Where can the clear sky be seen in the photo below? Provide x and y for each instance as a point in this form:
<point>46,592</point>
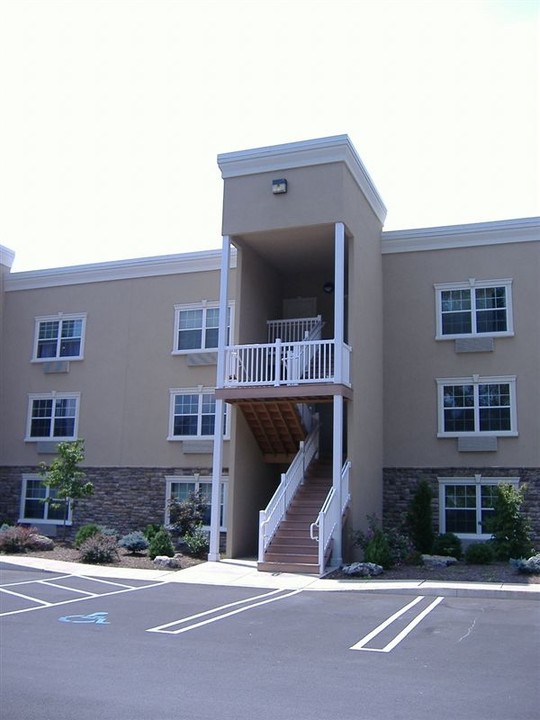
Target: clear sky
<point>113,112</point>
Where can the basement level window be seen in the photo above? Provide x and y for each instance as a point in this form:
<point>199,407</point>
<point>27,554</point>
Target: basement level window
<point>466,504</point>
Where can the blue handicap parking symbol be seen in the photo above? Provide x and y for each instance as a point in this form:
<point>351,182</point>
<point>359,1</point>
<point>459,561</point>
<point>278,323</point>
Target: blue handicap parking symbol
<point>98,618</point>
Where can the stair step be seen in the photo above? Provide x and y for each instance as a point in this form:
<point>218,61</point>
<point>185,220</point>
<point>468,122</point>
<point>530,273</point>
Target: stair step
<point>275,567</point>
<point>292,548</point>
<point>291,557</point>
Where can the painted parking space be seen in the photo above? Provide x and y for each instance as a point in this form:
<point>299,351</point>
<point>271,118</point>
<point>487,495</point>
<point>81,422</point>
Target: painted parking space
<point>23,592</point>
<point>235,647</point>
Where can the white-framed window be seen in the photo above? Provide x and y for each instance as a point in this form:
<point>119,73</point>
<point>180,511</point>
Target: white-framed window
<point>465,503</point>
<point>196,326</point>
<point>474,308</point>
<point>477,406</point>
<point>53,416</point>
<point>35,507</point>
<point>59,337</point>
<point>192,414</point>
<point>180,488</point>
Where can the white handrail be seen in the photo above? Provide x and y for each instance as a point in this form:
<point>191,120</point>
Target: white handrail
<point>283,363</point>
<point>294,329</point>
<point>272,515</point>
<point>330,515</point>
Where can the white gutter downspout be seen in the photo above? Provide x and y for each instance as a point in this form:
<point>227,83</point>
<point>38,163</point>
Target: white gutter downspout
<point>217,463</point>
<point>339,335</point>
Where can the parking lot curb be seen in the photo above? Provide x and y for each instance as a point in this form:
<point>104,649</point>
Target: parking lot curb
<point>244,573</point>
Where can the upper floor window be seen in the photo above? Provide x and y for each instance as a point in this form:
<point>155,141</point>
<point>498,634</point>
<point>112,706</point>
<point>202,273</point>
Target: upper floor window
<point>469,406</point>
<point>193,414</point>
<point>473,308</point>
<point>196,326</point>
<point>53,416</point>
<point>59,337</point>
<point>39,503</point>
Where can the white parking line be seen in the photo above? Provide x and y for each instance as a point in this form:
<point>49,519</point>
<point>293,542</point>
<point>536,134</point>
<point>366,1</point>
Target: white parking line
<point>23,597</point>
<point>360,645</point>
<point>253,603</point>
<point>43,604</point>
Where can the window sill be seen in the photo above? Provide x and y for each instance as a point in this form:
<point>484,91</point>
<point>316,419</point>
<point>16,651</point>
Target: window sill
<point>474,336</point>
<point>38,521</point>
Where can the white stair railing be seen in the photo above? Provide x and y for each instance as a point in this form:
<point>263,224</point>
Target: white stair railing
<point>294,329</point>
<point>273,514</point>
<point>329,519</point>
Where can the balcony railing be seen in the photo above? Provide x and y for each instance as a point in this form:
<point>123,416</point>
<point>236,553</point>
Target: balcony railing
<point>286,363</point>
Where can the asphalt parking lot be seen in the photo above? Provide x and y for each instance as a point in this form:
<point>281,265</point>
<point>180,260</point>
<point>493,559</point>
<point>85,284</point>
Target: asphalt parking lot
<point>88,648</point>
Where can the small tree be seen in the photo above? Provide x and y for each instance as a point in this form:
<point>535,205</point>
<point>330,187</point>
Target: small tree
<point>66,479</point>
<point>510,529</point>
<point>186,515</point>
<point>420,518</point>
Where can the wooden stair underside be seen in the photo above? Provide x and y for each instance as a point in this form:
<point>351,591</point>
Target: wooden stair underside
<point>276,425</point>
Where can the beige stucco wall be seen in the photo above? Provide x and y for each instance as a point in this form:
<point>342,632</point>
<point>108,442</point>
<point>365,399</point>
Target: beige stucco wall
<point>314,196</point>
<point>413,359</point>
<point>365,412</point>
<point>126,374</point>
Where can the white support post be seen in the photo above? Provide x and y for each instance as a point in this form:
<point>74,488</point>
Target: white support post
<point>339,299</point>
<point>217,464</point>
<point>337,459</point>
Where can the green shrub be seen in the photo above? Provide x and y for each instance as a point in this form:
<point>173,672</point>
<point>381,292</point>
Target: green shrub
<point>85,532</point>
<point>510,529</point>
<point>479,554</point>
<point>134,542</point>
<point>420,518</point>
<point>161,544</point>
<point>197,542</point>
<point>390,546</point>
<point>99,548</point>
<point>378,551</point>
<point>16,539</point>
<point>151,530</point>
<point>448,545</point>
<point>186,515</point>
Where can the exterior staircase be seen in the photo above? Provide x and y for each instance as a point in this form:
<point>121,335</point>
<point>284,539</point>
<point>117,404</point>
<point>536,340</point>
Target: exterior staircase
<point>292,549</point>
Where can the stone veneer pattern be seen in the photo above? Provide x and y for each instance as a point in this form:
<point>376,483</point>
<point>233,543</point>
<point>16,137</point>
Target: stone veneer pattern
<point>400,485</point>
<point>125,499</point>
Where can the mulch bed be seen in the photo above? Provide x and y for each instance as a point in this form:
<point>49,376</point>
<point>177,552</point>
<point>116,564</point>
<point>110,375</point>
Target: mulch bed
<point>67,553</point>
<point>497,572</point>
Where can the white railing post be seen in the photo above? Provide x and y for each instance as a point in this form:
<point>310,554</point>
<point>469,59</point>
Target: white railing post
<point>217,460</point>
<point>339,299</point>
<point>277,362</point>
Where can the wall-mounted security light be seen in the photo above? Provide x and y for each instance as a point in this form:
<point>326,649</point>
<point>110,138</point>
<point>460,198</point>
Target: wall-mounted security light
<point>279,186</point>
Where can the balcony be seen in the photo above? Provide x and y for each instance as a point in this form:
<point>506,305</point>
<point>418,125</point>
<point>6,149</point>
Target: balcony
<point>296,355</point>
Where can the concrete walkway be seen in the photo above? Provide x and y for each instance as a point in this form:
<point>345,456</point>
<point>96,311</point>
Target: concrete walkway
<point>243,573</point>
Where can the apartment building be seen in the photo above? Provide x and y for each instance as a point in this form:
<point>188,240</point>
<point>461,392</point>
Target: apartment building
<point>305,376</point>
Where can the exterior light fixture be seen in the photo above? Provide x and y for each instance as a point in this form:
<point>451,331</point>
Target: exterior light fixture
<point>328,287</point>
<point>279,186</point>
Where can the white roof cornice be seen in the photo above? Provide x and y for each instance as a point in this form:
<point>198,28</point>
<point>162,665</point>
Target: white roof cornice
<point>321,151</point>
<point>117,270</point>
<point>6,256</point>
<point>458,236</point>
